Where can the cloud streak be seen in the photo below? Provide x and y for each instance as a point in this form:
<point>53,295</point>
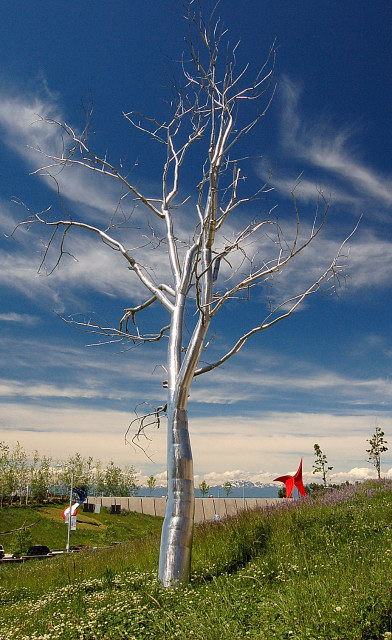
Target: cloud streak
<point>25,122</point>
<point>12,388</point>
<point>65,370</point>
<point>348,178</point>
<point>21,318</point>
<point>87,266</point>
<point>244,381</point>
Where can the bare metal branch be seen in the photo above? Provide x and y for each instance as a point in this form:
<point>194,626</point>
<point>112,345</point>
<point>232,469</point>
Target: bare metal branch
<point>91,325</point>
<point>331,273</point>
<point>143,422</point>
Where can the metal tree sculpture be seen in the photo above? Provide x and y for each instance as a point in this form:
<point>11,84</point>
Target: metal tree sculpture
<point>207,253</point>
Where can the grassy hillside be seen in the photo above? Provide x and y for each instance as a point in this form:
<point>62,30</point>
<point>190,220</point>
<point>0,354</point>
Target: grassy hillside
<point>311,568</point>
<point>45,525</point>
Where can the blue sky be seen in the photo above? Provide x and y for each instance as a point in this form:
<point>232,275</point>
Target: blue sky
<point>322,376</point>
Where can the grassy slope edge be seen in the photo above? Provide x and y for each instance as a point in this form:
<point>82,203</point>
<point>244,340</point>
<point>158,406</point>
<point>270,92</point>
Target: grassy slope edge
<point>311,568</point>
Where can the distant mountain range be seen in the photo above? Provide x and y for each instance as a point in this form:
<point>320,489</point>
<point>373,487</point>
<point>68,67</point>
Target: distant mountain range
<point>238,490</point>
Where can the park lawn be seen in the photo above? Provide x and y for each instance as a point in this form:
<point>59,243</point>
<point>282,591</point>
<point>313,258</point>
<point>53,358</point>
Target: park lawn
<point>45,525</point>
<point>317,568</point>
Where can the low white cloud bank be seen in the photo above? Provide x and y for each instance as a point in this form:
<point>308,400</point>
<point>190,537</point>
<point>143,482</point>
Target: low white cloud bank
<point>258,448</point>
<point>239,476</point>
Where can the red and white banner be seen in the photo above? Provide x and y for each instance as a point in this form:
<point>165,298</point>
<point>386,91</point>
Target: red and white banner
<point>73,512</point>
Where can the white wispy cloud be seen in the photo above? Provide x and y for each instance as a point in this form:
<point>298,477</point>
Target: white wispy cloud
<point>11,388</point>
<point>107,371</point>
<point>371,261</point>
<point>25,125</point>
<point>312,191</point>
<point>22,121</point>
<point>365,262</point>
<point>87,265</point>
<point>324,147</point>
<point>68,370</point>
<point>244,380</point>
<point>22,318</point>
<point>104,271</point>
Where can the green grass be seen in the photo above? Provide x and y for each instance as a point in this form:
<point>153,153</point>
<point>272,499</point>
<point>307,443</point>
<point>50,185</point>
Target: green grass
<point>44,525</point>
<point>314,568</point>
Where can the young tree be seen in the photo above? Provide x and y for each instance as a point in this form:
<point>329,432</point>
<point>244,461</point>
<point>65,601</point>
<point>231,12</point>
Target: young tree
<point>20,541</point>
<point>114,485</point>
<point>227,488</point>
<point>4,466</point>
<point>129,480</point>
<point>209,249</point>
<point>377,447</point>
<point>41,476</point>
<point>321,464</point>
<point>18,472</point>
<point>120,482</point>
<point>204,488</point>
<point>98,478</point>
<point>80,467</point>
<point>151,482</point>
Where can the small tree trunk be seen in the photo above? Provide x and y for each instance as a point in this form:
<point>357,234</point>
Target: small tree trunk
<point>177,530</point>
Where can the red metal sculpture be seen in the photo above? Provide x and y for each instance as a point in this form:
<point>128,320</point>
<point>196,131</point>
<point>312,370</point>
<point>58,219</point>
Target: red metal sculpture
<point>293,481</point>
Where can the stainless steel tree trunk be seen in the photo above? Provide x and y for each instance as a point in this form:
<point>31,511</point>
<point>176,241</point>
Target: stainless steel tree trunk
<point>177,530</point>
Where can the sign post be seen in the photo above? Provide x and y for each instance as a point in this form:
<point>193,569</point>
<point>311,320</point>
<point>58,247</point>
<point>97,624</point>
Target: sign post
<point>70,512</point>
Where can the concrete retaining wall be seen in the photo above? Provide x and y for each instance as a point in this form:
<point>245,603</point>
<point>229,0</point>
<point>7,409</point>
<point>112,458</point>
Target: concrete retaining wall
<point>205,508</point>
